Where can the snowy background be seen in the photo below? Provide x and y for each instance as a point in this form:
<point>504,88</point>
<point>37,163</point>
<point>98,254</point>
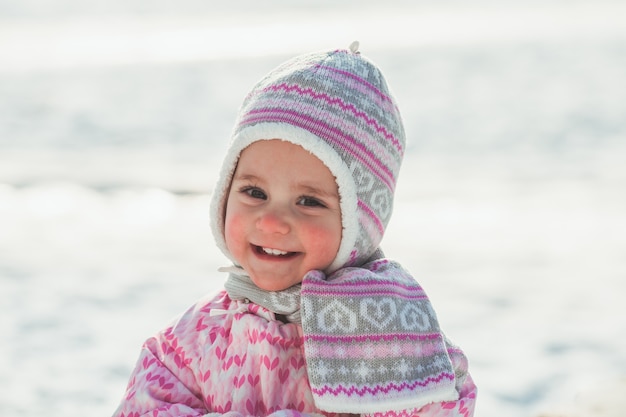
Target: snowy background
<point>511,206</point>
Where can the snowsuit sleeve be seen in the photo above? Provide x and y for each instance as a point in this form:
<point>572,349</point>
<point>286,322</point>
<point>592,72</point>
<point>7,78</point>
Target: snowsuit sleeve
<point>158,389</point>
<point>234,364</point>
<point>155,391</point>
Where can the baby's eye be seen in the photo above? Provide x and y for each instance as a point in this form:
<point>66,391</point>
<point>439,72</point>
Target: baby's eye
<point>254,192</point>
<point>310,202</point>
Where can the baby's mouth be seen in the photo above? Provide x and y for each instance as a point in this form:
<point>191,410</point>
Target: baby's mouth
<point>273,252</point>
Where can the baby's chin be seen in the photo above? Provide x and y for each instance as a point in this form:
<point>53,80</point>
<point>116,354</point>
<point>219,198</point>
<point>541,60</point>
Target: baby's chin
<point>273,285</point>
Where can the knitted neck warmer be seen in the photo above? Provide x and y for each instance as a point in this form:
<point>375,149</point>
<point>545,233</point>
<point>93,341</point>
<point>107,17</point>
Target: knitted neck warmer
<point>240,287</point>
<point>372,341</point>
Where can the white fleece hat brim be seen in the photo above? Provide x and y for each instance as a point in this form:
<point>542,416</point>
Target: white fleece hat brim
<point>317,147</point>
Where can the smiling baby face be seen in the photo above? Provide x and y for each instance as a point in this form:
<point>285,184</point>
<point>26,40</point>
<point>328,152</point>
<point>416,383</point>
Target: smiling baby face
<point>283,214</point>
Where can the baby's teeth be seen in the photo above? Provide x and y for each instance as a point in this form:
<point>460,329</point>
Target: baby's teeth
<point>274,251</point>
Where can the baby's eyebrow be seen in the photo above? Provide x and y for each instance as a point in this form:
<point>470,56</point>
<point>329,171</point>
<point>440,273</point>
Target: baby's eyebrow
<point>246,177</point>
<point>302,188</point>
<point>309,189</point>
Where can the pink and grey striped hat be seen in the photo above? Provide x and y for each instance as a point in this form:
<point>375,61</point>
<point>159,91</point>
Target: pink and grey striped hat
<point>336,104</point>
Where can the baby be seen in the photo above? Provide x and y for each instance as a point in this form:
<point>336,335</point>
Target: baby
<point>313,319</point>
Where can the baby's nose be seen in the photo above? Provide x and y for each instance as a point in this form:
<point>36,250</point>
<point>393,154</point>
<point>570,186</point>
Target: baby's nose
<point>273,222</point>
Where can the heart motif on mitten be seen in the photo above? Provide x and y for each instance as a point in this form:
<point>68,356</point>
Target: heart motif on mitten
<point>378,313</point>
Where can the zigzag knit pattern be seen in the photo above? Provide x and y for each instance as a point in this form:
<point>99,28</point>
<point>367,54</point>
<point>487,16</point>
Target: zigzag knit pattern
<point>372,341</point>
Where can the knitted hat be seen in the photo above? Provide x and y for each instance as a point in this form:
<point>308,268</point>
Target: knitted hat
<point>336,105</point>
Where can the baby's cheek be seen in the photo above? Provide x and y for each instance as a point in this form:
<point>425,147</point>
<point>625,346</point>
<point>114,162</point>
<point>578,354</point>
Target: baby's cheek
<point>326,240</point>
<point>233,230</point>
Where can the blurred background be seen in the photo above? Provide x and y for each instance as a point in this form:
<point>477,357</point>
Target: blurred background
<point>510,210</point>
